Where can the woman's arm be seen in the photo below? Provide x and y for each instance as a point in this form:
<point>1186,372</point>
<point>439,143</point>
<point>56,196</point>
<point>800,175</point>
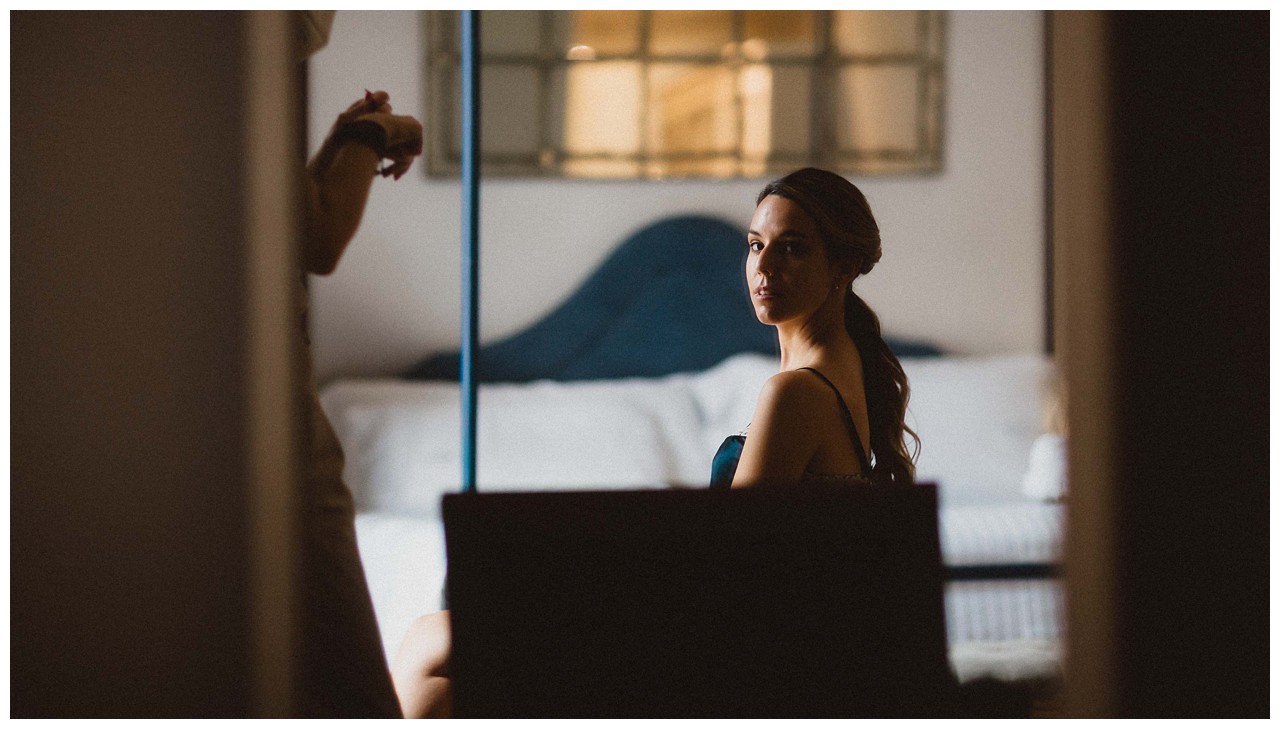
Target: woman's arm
<point>341,173</point>
<point>782,440</point>
<point>335,204</point>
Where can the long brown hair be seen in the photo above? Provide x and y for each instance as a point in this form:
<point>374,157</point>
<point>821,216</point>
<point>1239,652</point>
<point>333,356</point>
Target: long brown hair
<point>852,238</point>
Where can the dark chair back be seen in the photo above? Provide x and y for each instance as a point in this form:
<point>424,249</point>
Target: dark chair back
<point>813,601</point>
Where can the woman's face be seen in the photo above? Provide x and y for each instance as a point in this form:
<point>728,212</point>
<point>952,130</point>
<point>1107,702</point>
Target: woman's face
<point>788,272</point>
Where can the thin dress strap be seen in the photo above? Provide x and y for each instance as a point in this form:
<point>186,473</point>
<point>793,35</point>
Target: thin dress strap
<point>848,421</point>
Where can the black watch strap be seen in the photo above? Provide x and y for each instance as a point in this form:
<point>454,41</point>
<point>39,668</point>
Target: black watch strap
<point>366,132</point>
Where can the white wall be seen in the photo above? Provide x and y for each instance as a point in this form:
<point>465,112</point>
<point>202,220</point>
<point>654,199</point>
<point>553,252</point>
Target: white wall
<point>963,249</point>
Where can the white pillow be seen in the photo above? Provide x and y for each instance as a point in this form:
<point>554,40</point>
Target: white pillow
<point>726,397</point>
<point>977,418</point>
<point>402,439</point>
<point>618,433</point>
<point>1046,476</point>
<point>401,442</point>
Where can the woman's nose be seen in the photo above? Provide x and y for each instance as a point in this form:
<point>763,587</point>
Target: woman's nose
<point>765,261</point>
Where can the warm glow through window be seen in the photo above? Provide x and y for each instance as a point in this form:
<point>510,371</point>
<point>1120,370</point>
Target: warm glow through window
<point>665,93</point>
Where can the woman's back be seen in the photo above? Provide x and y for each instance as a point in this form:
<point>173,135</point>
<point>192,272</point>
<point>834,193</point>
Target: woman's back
<point>816,426</point>
<point>843,445</point>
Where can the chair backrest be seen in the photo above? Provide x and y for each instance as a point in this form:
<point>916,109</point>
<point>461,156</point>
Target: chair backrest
<point>810,601</point>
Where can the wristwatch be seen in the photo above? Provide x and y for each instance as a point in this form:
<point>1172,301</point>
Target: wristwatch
<point>363,131</point>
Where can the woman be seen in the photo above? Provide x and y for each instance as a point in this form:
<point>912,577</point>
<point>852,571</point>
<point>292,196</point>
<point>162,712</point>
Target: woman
<point>834,411</point>
<point>836,408</point>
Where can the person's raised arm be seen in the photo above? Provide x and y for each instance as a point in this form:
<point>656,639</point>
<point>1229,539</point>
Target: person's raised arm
<point>340,174</point>
<point>781,441</point>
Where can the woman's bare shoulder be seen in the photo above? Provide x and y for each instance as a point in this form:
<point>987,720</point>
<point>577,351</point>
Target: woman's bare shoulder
<point>777,451</point>
<point>792,389</point>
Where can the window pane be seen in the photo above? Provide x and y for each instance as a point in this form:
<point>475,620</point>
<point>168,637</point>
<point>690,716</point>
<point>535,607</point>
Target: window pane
<point>710,167</point>
<point>601,168</point>
<point>876,108</point>
<point>754,168</point>
<point>757,90</point>
<point>690,32</point>
<point>442,31</point>
<point>691,109</point>
<point>557,105</point>
<point>449,86</point>
<point>604,32</point>
<point>933,45</point>
<point>775,110</point>
<point>773,33</point>
<point>883,166</point>
<point>932,124</point>
<point>510,31</point>
<point>875,32</point>
<point>602,107</point>
<point>791,114</point>
<point>509,109</point>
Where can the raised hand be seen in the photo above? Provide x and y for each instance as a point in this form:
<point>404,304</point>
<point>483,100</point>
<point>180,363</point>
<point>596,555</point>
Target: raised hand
<point>403,133</point>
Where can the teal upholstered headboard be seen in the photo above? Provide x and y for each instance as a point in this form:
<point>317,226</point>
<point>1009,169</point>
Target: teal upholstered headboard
<point>671,298</point>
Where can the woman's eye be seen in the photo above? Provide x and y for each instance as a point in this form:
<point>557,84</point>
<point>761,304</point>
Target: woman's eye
<point>754,245</point>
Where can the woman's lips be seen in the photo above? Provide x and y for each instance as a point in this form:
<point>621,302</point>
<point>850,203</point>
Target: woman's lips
<point>765,292</point>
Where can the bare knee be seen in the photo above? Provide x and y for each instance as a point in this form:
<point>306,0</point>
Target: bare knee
<point>425,647</point>
<point>421,667</point>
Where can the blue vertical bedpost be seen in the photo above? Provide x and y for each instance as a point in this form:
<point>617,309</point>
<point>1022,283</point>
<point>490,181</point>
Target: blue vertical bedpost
<point>470,240</point>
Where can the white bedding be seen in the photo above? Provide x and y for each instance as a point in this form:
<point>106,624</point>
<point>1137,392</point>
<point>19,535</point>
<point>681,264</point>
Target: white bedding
<point>977,419</point>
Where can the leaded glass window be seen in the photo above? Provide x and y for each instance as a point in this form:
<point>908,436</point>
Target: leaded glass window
<point>692,93</point>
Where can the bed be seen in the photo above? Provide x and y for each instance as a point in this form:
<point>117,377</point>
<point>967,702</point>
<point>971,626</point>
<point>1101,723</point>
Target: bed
<point>633,382</point>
